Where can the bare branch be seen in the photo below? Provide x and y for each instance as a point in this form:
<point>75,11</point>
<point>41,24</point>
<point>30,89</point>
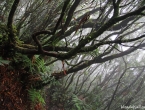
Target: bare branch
<point>12,12</point>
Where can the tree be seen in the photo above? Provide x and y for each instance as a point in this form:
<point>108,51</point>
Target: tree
<point>35,34</point>
<point>102,86</point>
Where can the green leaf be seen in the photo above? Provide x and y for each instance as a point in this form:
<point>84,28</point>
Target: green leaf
<point>4,62</point>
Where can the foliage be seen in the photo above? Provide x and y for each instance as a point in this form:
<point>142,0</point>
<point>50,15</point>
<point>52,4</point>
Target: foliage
<point>78,104</point>
<point>3,62</point>
<point>62,98</point>
<point>3,35</point>
<point>39,65</point>
<point>60,45</point>
<point>86,92</point>
<point>22,61</point>
<point>35,97</point>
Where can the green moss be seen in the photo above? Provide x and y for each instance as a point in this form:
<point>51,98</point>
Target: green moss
<point>9,40</point>
<point>3,35</point>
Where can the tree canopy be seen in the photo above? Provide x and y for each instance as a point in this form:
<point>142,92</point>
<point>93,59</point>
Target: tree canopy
<point>74,34</point>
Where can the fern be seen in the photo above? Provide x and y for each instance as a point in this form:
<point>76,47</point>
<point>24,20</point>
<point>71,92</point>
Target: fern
<point>22,61</point>
<point>39,65</point>
<point>3,62</point>
<point>79,104</point>
<point>35,97</point>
